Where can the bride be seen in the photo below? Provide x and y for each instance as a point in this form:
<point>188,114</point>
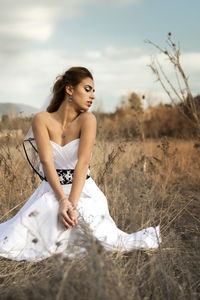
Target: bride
<point>59,148</point>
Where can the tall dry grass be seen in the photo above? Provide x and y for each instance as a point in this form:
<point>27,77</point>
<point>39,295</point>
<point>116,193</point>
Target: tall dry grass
<point>146,182</point>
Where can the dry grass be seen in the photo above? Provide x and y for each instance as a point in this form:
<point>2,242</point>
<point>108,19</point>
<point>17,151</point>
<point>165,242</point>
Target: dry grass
<point>146,183</point>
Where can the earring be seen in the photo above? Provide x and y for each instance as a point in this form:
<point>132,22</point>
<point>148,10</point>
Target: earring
<point>70,99</point>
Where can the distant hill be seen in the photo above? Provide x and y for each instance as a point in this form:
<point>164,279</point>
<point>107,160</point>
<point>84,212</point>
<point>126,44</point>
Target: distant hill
<point>18,108</point>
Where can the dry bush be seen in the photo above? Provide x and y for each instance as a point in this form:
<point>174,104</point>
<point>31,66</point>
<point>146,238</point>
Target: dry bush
<point>146,183</point>
<point>126,123</point>
<point>165,120</point>
<point>130,121</point>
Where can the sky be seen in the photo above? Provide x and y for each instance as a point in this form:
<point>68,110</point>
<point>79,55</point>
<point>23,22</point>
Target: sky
<point>39,40</point>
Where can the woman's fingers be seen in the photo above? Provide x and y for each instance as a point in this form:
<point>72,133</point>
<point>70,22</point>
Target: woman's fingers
<point>66,224</point>
<point>67,218</point>
<point>64,220</point>
<point>73,215</point>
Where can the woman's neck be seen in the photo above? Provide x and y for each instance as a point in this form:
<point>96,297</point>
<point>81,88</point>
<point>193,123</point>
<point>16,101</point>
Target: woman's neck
<point>66,113</point>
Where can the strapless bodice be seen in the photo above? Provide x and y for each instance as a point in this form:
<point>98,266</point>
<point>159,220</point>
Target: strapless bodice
<point>65,157</point>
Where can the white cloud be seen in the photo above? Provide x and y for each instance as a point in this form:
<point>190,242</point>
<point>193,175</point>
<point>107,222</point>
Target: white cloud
<point>34,20</point>
<point>34,73</point>
<point>27,30</point>
<point>123,2</point>
<point>93,55</point>
<point>113,52</point>
<point>113,1</point>
<point>28,76</point>
<point>191,61</point>
<point>22,20</point>
<point>27,22</point>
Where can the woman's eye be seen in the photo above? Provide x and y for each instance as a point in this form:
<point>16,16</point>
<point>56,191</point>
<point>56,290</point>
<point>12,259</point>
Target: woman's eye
<point>87,89</point>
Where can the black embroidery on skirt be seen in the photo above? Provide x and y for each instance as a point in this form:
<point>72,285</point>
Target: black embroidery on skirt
<point>66,176</point>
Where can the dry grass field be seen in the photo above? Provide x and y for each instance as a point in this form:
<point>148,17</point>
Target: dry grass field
<point>146,183</point>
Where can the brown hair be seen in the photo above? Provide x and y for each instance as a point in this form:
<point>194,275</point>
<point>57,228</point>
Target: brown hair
<point>72,76</point>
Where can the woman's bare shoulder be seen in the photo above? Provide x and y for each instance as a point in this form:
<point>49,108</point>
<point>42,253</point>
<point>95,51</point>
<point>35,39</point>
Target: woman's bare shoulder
<point>41,116</point>
<point>87,117</point>
<point>40,120</point>
<point>88,124</point>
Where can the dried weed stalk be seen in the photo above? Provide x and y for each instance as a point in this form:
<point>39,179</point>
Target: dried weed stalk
<point>180,89</point>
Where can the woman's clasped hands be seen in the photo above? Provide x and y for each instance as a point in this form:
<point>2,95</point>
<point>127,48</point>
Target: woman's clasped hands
<point>67,214</point>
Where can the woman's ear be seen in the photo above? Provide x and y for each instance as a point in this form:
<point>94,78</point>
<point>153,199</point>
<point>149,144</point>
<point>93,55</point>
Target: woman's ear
<point>69,89</point>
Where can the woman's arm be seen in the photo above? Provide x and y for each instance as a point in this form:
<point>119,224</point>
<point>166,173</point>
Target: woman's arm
<point>87,138</point>
<point>46,158</point>
<point>45,152</point>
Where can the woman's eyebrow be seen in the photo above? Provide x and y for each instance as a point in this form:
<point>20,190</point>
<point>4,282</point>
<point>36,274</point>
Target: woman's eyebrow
<point>91,87</point>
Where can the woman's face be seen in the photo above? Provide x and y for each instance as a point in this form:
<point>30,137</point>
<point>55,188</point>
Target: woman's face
<point>83,94</point>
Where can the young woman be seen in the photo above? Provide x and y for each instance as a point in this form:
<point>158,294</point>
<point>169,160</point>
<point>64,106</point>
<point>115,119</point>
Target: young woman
<point>59,147</point>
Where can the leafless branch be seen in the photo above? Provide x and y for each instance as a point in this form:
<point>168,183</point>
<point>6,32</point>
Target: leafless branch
<point>173,53</point>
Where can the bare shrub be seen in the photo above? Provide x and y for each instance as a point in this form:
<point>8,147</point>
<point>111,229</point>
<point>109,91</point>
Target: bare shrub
<point>178,90</point>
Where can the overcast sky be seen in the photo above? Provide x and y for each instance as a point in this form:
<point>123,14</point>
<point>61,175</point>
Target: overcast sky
<point>41,39</point>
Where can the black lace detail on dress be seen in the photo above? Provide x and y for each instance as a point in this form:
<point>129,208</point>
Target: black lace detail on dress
<point>66,176</point>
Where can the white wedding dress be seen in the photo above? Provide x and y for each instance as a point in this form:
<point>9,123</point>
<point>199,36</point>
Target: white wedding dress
<point>35,233</point>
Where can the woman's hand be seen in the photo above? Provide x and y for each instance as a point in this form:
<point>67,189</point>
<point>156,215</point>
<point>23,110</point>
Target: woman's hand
<point>73,214</point>
<point>67,213</point>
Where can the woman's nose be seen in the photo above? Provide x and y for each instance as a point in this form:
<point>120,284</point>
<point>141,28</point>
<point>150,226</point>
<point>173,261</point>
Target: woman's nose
<point>92,96</point>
